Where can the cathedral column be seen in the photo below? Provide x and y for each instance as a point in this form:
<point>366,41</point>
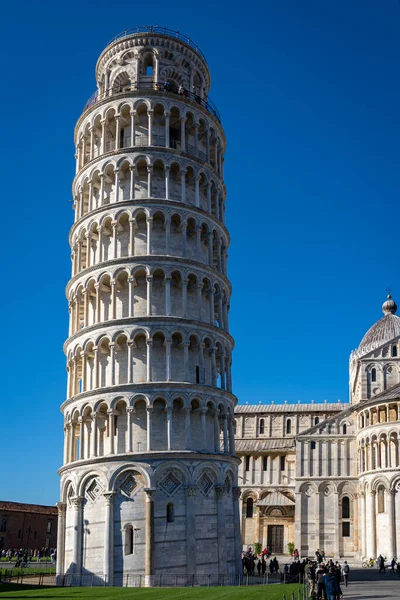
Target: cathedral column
<point>62,507</point>
<point>149,551</point>
<point>336,521</point>
<point>149,410</point>
<point>371,520</point>
<point>109,539</point>
<point>297,525</point>
<point>130,412</point>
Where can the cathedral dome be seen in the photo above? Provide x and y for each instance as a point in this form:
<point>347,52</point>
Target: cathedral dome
<point>382,331</point>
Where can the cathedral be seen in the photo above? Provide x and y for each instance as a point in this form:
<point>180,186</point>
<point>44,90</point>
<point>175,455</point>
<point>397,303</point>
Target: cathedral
<point>326,476</point>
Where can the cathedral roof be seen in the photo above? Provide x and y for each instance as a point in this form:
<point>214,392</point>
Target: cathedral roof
<point>384,330</point>
<point>263,445</point>
<point>292,408</point>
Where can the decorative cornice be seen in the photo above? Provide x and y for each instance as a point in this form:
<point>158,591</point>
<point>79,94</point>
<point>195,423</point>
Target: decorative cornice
<point>149,322</point>
<point>156,386</point>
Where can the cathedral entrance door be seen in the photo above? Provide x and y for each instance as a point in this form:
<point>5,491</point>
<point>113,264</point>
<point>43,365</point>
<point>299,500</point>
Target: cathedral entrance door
<point>275,538</point>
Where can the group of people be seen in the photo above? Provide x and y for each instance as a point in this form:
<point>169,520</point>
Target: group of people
<point>252,564</point>
<point>324,579</point>
<point>23,556</point>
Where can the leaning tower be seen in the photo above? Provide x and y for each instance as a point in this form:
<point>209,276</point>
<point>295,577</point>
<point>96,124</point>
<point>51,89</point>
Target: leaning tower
<point>149,481</point>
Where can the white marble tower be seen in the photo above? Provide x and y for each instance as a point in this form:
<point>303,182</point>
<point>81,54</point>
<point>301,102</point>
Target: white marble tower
<point>149,481</point>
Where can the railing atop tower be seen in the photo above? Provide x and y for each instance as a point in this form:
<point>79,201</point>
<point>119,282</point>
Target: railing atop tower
<point>158,86</point>
<point>157,29</point>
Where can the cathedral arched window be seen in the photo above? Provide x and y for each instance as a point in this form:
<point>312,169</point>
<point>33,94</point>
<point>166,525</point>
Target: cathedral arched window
<point>170,513</point>
<point>381,499</point>
<point>316,420</point>
<point>344,429</point>
<point>265,463</point>
<point>345,507</point>
<point>394,350</point>
<point>249,508</point>
<point>373,375</point>
<point>262,426</point>
<point>289,426</point>
<point>234,426</point>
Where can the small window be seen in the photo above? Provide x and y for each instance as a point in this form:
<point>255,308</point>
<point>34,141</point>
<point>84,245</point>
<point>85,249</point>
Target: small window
<point>265,463</point>
<point>345,507</point>
<point>197,374</point>
<point>373,375</point>
<point>312,445</point>
<point>316,421</point>
<point>282,463</point>
<point>262,426</point>
<point>381,499</point>
<point>48,529</point>
<point>344,429</point>
<point>394,350</point>
<point>170,513</point>
<point>234,426</point>
<point>289,426</point>
<point>149,70</point>
<point>346,529</point>
<point>3,524</point>
<point>247,463</point>
<point>249,508</point>
<point>129,540</point>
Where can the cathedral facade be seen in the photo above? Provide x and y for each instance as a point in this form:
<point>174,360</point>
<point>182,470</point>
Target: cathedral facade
<point>327,476</point>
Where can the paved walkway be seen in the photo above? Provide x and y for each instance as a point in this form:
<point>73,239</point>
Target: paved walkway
<point>368,583</point>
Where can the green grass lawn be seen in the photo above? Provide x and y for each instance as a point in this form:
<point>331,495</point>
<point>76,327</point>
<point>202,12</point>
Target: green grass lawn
<point>270,592</point>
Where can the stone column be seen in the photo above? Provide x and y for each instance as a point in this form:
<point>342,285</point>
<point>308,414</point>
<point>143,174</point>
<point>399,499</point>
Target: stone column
<point>168,360</point>
<point>149,280</point>
<point>149,180</point>
<point>183,141</point>
<point>77,503</point>
<point>111,429</point>
<point>109,539</point>
<point>62,507</point>
<point>132,185</point>
<point>185,361</point>
<point>221,532</point>
<point>149,410</point>
<point>150,127</point>
<point>133,133</point>
<point>167,296</point>
<point>191,545</point>
<point>371,519</point>
<point>390,497</point>
<point>169,428</point>
<point>231,437</point>
<point>117,131</point>
<point>297,525</point>
<point>203,413</point>
<point>184,297</point>
<point>149,221</point>
<point>94,435</point>
<point>167,116</point>
<point>167,170</point>
<point>149,552</point>
<point>225,432</point>
<point>130,412</point>
<point>217,444</point>
<point>187,429</point>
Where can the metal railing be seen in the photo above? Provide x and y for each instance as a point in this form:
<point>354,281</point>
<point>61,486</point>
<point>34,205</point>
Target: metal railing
<point>156,86</point>
<point>136,580</point>
<point>158,29</point>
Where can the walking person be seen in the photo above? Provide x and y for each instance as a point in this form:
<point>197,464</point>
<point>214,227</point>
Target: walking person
<point>381,561</point>
<point>393,565</point>
<point>346,571</point>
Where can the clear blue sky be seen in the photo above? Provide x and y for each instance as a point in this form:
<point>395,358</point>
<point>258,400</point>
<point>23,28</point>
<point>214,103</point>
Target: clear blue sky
<point>309,95</point>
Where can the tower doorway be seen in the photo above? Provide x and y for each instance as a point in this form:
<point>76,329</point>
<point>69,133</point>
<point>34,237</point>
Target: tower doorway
<point>275,538</point>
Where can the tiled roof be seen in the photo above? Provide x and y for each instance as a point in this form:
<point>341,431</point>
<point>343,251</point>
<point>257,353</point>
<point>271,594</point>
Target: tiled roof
<point>293,408</point>
<point>264,445</point>
<point>392,393</point>
<point>30,508</point>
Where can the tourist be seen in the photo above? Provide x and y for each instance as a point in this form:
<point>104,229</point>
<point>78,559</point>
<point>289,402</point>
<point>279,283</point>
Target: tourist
<point>263,565</point>
<point>393,564</point>
<point>346,571</point>
<point>319,580</point>
<point>259,567</point>
<point>381,562</point>
<point>331,587</point>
